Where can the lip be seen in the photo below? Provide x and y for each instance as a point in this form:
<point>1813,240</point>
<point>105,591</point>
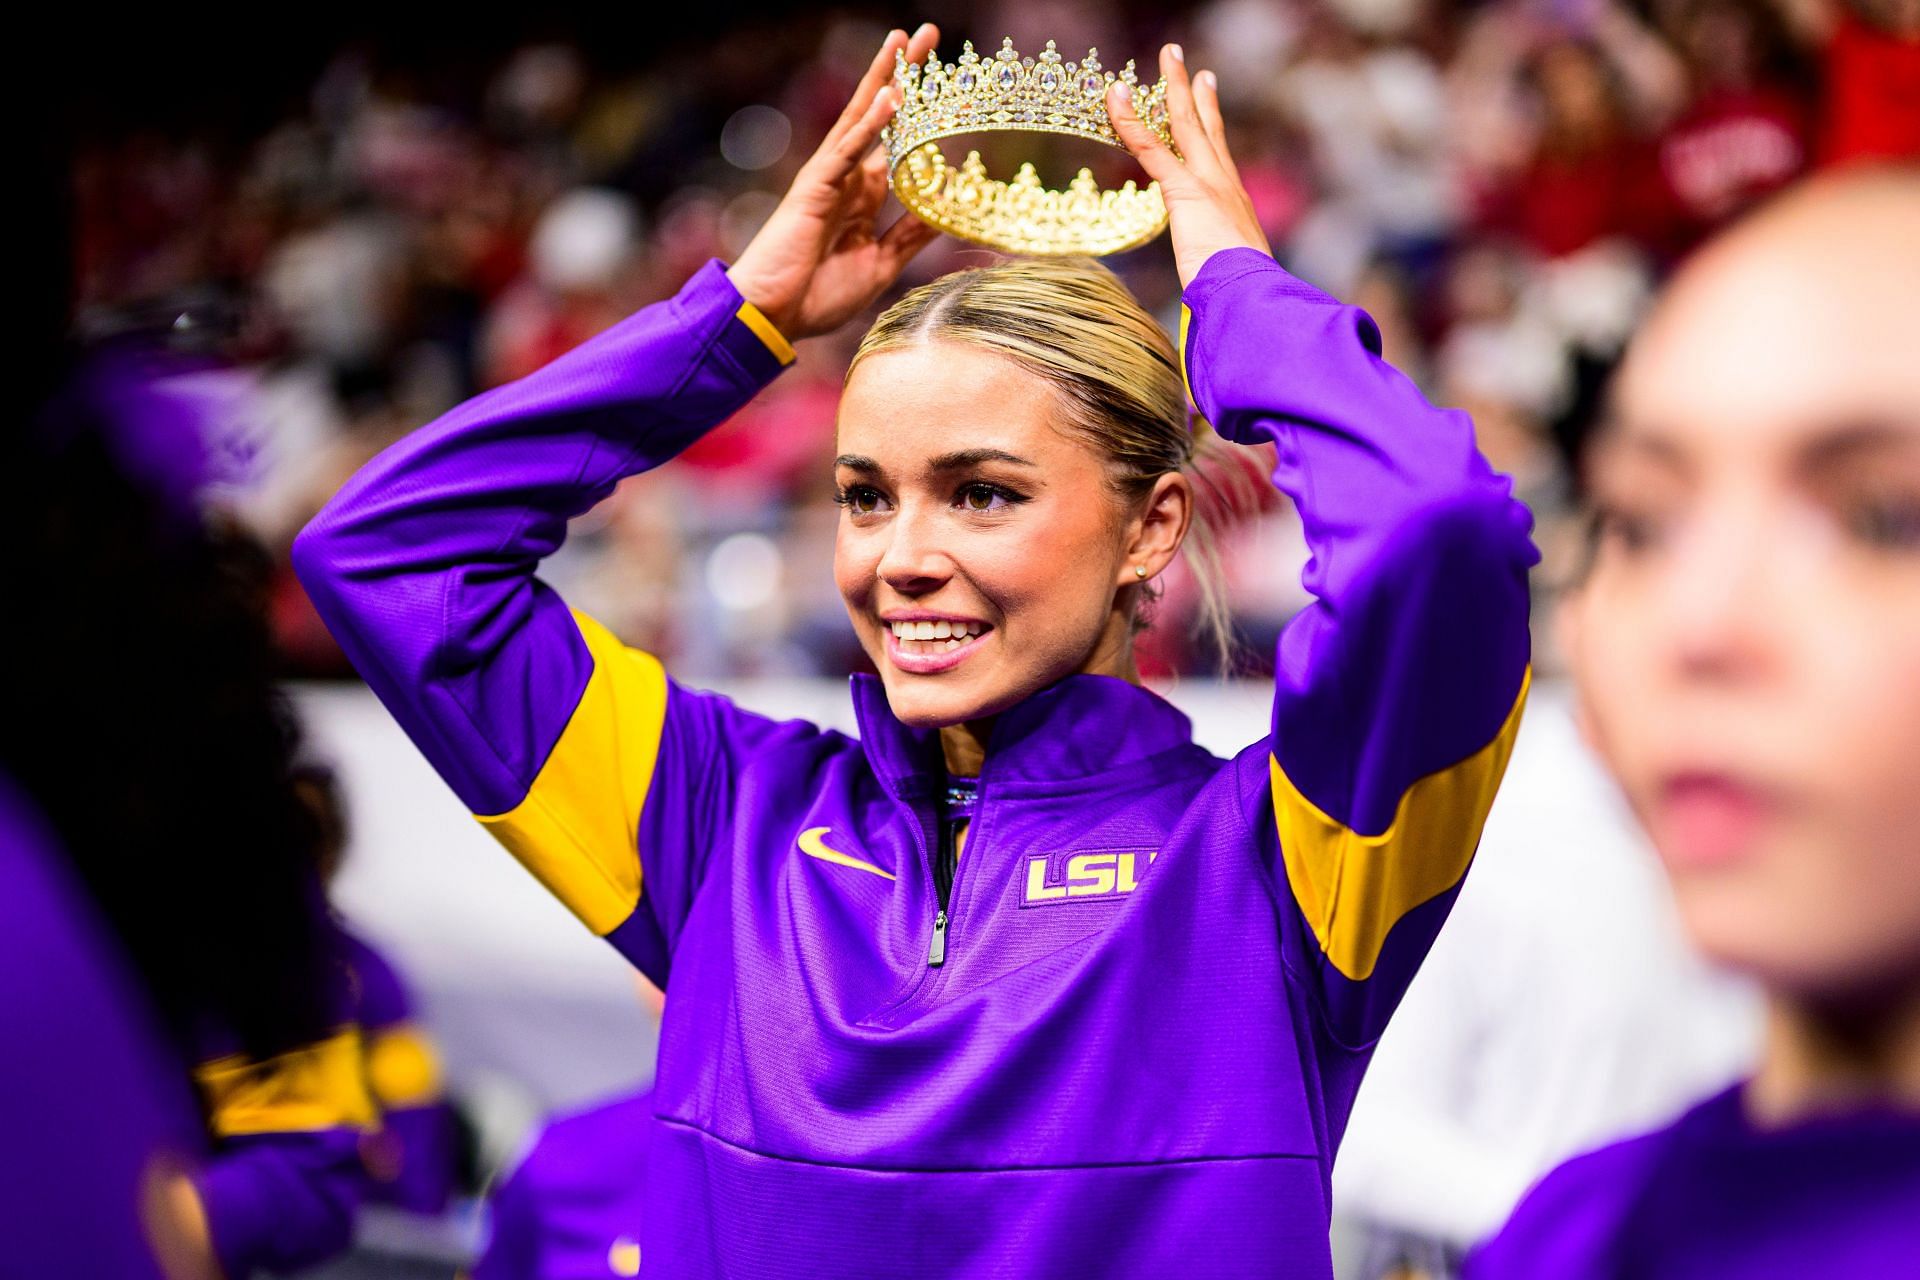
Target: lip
<point>926,664</point>
<point>1707,819</point>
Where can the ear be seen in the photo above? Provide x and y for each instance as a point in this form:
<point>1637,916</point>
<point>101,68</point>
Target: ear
<point>1156,531</point>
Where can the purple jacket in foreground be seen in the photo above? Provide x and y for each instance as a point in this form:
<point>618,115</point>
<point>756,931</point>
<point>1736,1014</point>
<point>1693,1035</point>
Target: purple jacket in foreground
<point>1164,971</point>
<point>1710,1197</point>
<point>572,1209</point>
<point>94,1108</point>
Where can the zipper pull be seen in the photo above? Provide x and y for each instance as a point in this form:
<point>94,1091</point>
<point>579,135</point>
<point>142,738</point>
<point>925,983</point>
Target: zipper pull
<point>937,953</point>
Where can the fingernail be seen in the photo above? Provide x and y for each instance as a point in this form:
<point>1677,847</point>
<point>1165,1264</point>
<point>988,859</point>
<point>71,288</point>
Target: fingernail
<point>1178,54</point>
<point>1208,79</point>
<point>923,28</point>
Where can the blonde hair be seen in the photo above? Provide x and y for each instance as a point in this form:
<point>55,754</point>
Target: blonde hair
<point>1071,322</point>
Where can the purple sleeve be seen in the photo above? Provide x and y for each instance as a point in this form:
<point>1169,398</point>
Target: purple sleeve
<point>1398,689</point>
<point>578,753</point>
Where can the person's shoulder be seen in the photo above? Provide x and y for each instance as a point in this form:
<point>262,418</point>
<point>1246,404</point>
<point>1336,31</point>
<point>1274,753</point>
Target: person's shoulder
<point>597,1145</point>
<point>1569,1224</point>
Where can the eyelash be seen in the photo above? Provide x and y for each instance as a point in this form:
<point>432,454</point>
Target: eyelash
<point>844,497</point>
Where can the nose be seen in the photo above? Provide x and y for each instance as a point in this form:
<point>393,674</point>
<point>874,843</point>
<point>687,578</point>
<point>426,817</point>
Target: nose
<point>914,562</point>
<point>1722,599</point>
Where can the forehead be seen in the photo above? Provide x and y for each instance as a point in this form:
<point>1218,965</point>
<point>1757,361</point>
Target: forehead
<point>1758,350</point>
<point>936,397</point>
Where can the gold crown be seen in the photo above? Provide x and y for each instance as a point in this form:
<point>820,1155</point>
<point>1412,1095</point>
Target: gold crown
<point>1010,93</point>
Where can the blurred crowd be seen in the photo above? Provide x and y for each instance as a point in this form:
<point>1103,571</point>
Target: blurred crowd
<point>1501,184</point>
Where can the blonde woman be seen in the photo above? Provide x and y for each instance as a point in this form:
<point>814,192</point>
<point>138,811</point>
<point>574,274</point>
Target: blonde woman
<point>1021,981</point>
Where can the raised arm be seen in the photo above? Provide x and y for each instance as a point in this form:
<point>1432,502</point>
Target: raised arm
<point>1398,691</point>
<point>551,731</point>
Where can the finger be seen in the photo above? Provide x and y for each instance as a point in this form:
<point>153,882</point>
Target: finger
<point>1206,103</point>
<point>871,186</point>
<point>879,72</point>
<point>906,237</point>
<point>1188,133</point>
<point>839,157</point>
<point>924,38</point>
<point>1154,155</point>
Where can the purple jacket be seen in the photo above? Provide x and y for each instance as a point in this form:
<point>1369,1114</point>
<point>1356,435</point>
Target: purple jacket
<point>1164,971</point>
<point>95,1112</point>
<point>1710,1197</point>
<point>572,1210</point>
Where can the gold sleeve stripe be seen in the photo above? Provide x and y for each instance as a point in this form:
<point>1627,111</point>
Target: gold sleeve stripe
<point>318,1086</point>
<point>763,329</point>
<point>402,1067</point>
<point>1352,888</point>
<point>577,830</point>
<point>1186,319</point>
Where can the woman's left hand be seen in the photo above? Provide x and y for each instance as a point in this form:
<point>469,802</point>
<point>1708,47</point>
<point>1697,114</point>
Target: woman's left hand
<point>1207,208</point>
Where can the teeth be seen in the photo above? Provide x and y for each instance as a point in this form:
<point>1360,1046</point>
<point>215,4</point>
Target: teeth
<point>954,633</point>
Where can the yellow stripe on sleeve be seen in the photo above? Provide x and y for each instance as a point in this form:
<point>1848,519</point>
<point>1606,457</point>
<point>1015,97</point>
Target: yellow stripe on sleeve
<point>1352,888</point>
<point>1186,320</point>
<point>402,1067</point>
<point>318,1086</point>
<point>577,830</point>
<point>752,317</point>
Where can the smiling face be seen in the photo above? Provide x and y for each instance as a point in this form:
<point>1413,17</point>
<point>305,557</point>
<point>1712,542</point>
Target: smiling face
<point>966,504</point>
<point>1748,643</point>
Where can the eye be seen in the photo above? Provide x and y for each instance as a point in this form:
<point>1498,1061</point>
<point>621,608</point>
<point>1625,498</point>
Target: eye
<point>859,499</point>
<point>980,496</point>
<point>1624,529</point>
<point>1891,525</point>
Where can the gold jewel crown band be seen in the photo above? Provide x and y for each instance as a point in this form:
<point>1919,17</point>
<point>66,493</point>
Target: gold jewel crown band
<point>1009,93</point>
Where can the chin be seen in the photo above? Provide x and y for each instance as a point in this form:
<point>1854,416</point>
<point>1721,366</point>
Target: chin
<point>1793,954</point>
<point>919,704</point>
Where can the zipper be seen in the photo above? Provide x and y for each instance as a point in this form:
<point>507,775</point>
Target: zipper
<point>943,872</point>
<point>937,953</point>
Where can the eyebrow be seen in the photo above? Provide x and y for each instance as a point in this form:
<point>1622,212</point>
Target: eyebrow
<point>1616,441</point>
<point>1850,441</point>
<point>958,460</point>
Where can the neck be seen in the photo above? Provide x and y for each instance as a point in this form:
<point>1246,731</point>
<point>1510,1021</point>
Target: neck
<point>1824,1056</point>
<point>965,746</point>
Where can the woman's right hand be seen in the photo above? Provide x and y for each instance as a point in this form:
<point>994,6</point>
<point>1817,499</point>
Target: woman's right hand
<point>820,260</point>
<point>1207,207</point>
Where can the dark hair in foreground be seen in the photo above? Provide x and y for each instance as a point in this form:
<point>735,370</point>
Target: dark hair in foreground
<point>138,710</point>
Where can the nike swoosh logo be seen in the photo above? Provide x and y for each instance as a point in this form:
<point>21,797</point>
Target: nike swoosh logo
<point>811,846</point>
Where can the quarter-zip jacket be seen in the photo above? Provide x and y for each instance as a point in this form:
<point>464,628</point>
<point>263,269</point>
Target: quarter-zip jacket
<point>1163,971</point>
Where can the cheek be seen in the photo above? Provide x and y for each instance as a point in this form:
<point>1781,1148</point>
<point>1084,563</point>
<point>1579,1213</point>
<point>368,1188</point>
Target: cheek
<point>856,561</point>
<point>1055,567</point>
<point>1856,890</point>
<point>1615,676</point>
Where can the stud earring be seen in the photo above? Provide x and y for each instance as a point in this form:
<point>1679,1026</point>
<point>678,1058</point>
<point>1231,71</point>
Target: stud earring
<point>1140,570</point>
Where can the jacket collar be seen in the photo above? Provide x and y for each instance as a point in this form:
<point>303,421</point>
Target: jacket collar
<point>1078,726</point>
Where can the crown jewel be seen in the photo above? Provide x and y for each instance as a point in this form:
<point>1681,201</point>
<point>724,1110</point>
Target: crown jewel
<point>1009,93</point>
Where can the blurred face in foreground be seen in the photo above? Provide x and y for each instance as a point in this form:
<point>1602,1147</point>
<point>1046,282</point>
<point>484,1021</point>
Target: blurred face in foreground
<point>1747,646</point>
<point>969,513</point>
